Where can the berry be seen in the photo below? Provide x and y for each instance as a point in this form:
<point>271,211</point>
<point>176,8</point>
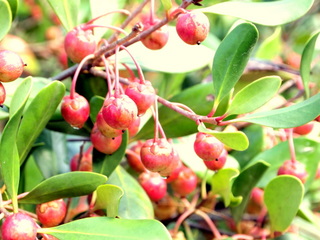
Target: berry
<point>85,162</point>
<point>304,129</point>
<point>192,27</point>
<point>154,185</point>
<point>75,110</point>
<point>120,112</point>
<point>185,183</point>
<point>207,147</point>
<point>134,159</point>
<point>143,94</point>
<point>11,66</point>
<point>134,127</point>
<point>217,163</point>
<point>165,208</point>
<point>104,144</point>
<point>105,128</point>
<point>79,43</point>
<point>2,93</point>
<point>159,156</point>
<point>294,168</point>
<point>19,226</point>
<point>158,38</point>
<point>51,213</point>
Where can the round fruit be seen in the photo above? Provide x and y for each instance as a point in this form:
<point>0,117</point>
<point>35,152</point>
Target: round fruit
<point>294,168</point>
<point>207,147</point>
<point>51,213</point>
<point>134,159</point>
<point>2,94</point>
<point>85,162</point>
<point>134,127</point>
<point>11,66</point>
<point>304,129</point>
<point>19,226</point>
<point>192,27</point>
<point>105,128</point>
<point>217,163</point>
<point>75,111</point>
<point>185,183</point>
<point>154,185</point>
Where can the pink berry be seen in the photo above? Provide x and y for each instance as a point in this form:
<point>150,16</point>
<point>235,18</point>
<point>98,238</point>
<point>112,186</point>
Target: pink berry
<point>218,163</point>
<point>120,112</point>
<point>294,168</point>
<point>2,93</point>
<point>185,183</point>
<point>83,164</point>
<point>207,147</point>
<point>19,226</point>
<point>134,159</point>
<point>11,66</point>
<point>133,129</point>
<point>154,185</point>
<point>75,110</point>
<point>192,27</point>
<point>257,195</point>
<point>105,128</point>
<point>51,213</point>
<point>79,43</point>
<point>304,129</point>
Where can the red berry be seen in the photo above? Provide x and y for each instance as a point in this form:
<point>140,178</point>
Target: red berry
<point>158,38</point>
<point>257,195</point>
<point>317,119</point>
<point>104,144</point>
<point>304,129</point>
<point>185,183</point>
<point>120,112</point>
<point>85,162</point>
<point>175,173</point>
<point>218,163</point>
<point>192,27</point>
<point>11,66</point>
<point>207,146</point>
<point>143,94</point>
<point>294,168</point>
<point>19,226</point>
<point>79,43</point>
<point>51,213</point>
<point>134,159</point>
<point>154,185</point>
<point>75,110</point>
<point>105,128</point>
<point>2,93</point>
<point>134,127</point>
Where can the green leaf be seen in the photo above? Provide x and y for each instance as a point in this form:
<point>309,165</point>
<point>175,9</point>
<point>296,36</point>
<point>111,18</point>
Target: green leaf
<point>109,228</point>
<point>287,117</point>
<point>235,140</point>
<point>283,196</point>
<point>37,115</point>
<point>67,11</point>
<point>96,103</point>
<point>14,4</point>
<point>306,59</point>
<point>108,197</point>
<point>135,203</point>
<point>282,12</point>
<point>271,47</point>
<point>6,18</point>
<point>169,119</point>
<point>71,184</point>
<point>167,4</point>
<point>9,157</point>
<point>231,58</point>
<point>221,184</point>
<point>106,164</point>
<point>254,95</point>
<point>244,184</point>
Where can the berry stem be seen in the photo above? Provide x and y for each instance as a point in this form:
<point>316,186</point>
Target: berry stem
<point>131,73</point>
<point>291,145</point>
<point>210,223</point>
<point>151,12</point>
<point>116,80</point>
<point>108,77</point>
<point>156,120</point>
<point>88,27</point>
<point>124,11</point>
<point>204,194</point>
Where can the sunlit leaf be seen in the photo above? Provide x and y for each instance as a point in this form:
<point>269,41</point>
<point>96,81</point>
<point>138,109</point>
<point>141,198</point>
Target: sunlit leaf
<point>96,103</point>
<point>6,18</point>
<point>167,4</point>
<point>271,46</point>
<point>14,4</point>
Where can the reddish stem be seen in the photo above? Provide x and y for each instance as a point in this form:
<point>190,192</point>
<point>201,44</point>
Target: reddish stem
<point>291,145</point>
<point>124,11</point>
<point>116,80</point>
<point>151,12</point>
<point>109,82</point>
<point>131,73</point>
<point>91,26</point>
<point>212,226</point>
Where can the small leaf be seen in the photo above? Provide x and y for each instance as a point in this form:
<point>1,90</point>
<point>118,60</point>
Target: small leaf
<point>67,11</point>
<point>71,184</point>
<point>167,4</point>
<point>243,185</point>
<point>282,12</point>
<point>283,196</point>
<point>14,4</point>
<point>306,59</point>
<point>221,184</point>
<point>135,203</point>
<point>109,228</point>
<point>6,18</point>
<point>271,46</point>
<point>108,197</point>
<point>288,117</point>
<point>235,140</point>
<point>231,58</point>
<point>254,95</point>
<point>96,103</point>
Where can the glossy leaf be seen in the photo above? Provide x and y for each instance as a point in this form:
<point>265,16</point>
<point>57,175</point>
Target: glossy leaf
<point>231,58</point>
<point>221,184</point>
<point>254,95</point>
<point>135,203</point>
<point>235,140</point>
<point>108,197</point>
<point>169,119</point>
<point>37,116</point>
<point>283,196</point>
<point>244,184</point>
<point>67,11</point>
<point>96,103</point>
<point>167,4</point>
<point>14,4</point>
<point>306,59</point>
<point>287,117</point>
<point>271,46</point>
<point>71,184</point>
<point>282,12</point>
<point>109,228</point>
<point>6,18</point>
<point>9,156</point>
